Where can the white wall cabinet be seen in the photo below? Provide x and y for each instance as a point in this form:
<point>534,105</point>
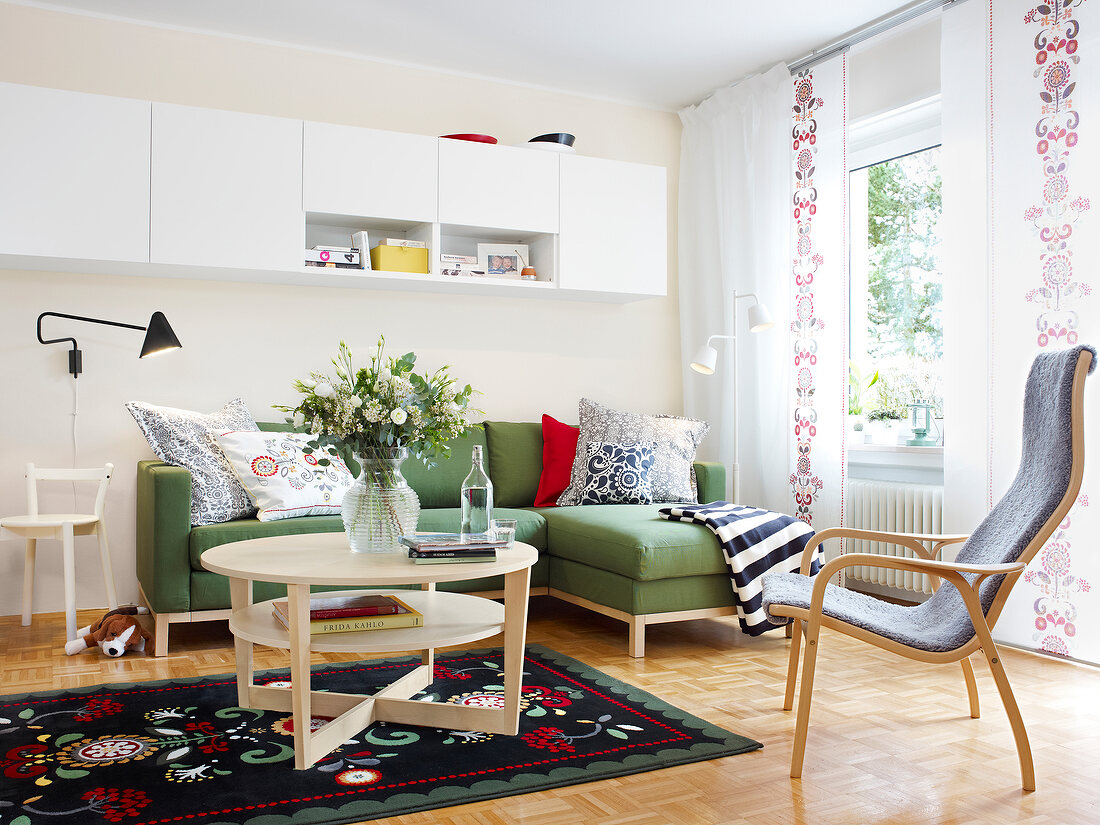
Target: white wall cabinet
<point>110,185</point>
<point>226,189</point>
<point>497,186</point>
<point>74,175</point>
<point>614,226</point>
<point>370,173</point>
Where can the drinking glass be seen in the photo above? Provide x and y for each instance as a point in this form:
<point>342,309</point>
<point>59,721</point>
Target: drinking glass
<point>504,529</point>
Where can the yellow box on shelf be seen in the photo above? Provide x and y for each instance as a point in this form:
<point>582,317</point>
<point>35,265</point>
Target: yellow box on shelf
<point>399,259</point>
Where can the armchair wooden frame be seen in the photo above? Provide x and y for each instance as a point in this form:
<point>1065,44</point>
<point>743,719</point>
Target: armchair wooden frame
<point>810,620</point>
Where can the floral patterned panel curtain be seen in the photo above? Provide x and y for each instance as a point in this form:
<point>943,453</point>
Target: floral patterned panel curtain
<point>819,292</point>
<point>1033,73</point>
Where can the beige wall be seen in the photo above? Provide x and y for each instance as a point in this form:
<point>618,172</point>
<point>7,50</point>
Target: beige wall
<point>528,356</point>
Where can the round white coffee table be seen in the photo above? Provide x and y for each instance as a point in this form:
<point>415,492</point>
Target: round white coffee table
<point>449,619</point>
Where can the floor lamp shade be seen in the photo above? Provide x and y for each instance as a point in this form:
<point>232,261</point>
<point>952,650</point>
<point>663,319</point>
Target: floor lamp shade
<point>759,318</point>
<point>705,360</point>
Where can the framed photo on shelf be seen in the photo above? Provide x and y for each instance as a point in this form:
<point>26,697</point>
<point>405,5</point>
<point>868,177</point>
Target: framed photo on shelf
<point>502,260</point>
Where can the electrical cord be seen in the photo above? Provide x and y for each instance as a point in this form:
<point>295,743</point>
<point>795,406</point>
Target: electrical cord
<point>76,409</point>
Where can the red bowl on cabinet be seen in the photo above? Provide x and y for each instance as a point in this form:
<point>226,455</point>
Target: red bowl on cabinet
<point>475,138</point>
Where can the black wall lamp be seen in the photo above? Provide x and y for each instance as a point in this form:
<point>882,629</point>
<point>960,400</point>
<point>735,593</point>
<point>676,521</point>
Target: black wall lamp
<point>158,337</point>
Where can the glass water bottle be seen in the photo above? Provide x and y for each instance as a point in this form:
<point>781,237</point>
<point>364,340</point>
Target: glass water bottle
<point>477,501</point>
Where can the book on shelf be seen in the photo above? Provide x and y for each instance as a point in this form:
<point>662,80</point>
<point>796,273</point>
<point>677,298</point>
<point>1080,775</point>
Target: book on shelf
<point>360,241</point>
<point>458,259</point>
<point>333,265</point>
<point>460,553</point>
<point>450,272</point>
<point>450,541</point>
<point>403,242</point>
<point>406,618</point>
<point>338,256</point>
<point>341,607</point>
<point>456,559</point>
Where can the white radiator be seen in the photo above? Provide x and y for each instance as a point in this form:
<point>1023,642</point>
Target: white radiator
<point>897,508</point>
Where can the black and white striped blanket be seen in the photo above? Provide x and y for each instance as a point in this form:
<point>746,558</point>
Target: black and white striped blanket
<point>754,542</point>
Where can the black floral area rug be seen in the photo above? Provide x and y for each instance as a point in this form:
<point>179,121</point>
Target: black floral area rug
<point>174,751</point>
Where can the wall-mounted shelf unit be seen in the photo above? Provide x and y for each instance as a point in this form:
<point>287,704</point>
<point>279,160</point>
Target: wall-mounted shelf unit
<point>227,196</point>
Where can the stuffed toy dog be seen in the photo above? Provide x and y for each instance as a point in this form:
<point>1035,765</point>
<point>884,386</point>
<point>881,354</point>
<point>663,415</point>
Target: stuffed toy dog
<point>117,632</point>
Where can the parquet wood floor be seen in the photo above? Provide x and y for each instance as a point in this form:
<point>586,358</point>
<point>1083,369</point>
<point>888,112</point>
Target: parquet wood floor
<point>891,741</point>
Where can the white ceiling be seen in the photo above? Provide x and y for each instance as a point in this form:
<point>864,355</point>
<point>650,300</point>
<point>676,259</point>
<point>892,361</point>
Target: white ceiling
<point>658,53</point>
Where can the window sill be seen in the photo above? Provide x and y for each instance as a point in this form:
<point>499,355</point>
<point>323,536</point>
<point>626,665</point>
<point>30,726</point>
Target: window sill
<point>894,448</point>
<point>895,455</point>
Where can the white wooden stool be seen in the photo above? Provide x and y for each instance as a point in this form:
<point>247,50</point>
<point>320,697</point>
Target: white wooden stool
<point>64,527</point>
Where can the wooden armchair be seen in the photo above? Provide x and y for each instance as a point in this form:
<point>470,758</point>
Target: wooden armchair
<point>957,619</point>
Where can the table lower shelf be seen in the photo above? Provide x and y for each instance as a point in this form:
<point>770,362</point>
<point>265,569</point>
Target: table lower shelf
<point>449,619</point>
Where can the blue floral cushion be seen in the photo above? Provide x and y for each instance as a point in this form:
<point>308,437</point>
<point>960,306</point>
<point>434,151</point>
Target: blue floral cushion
<point>617,474</point>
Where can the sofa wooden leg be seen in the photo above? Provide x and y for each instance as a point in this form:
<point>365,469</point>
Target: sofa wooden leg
<point>636,641</point>
<point>160,641</point>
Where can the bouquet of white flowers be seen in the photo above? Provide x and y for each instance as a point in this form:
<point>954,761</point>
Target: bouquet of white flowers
<point>370,412</point>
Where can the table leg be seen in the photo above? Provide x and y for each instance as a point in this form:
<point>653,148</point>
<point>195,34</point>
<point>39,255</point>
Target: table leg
<point>516,590</point>
<point>298,597</point>
<point>427,656</point>
<point>240,594</point>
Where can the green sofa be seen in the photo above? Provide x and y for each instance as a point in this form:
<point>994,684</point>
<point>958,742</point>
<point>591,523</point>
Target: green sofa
<point>620,560</point>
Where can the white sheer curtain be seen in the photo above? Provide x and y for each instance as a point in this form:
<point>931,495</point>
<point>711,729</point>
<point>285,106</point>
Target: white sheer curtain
<point>1020,142</point>
<point>734,221</point>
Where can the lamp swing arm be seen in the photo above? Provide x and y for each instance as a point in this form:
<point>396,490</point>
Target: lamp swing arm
<point>42,340</point>
<point>721,338</point>
<point>76,365</point>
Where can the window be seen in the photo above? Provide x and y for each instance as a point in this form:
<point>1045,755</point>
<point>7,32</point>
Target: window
<point>896,326</point>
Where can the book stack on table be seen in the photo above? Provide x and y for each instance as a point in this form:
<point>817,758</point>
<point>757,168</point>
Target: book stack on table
<point>450,548</point>
<point>347,613</point>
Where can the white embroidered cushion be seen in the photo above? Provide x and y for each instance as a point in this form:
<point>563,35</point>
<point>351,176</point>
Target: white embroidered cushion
<point>282,480</point>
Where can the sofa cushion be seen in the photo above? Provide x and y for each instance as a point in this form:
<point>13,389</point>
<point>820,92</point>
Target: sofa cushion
<point>618,474</point>
<point>186,438</point>
<point>559,448</point>
<point>440,486</point>
<point>211,535</point>
<point>283,481</point>
<point>639,598</point>
<point>632,541</point>
<point>675,441</point>
<point>515,461</point>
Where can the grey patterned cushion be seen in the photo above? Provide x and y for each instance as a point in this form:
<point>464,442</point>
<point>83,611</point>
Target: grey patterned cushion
<point>618,474</point>
<point>674,443</point>
<point>186,438</point>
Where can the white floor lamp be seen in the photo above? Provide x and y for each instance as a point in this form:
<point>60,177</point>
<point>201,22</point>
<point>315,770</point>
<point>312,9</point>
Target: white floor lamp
<point>707,357</point>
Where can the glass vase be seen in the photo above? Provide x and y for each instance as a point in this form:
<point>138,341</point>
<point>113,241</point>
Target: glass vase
<point>380,506</point>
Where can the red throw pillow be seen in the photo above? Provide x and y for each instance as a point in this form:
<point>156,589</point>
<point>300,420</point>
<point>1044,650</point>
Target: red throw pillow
<point>559,447</point>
